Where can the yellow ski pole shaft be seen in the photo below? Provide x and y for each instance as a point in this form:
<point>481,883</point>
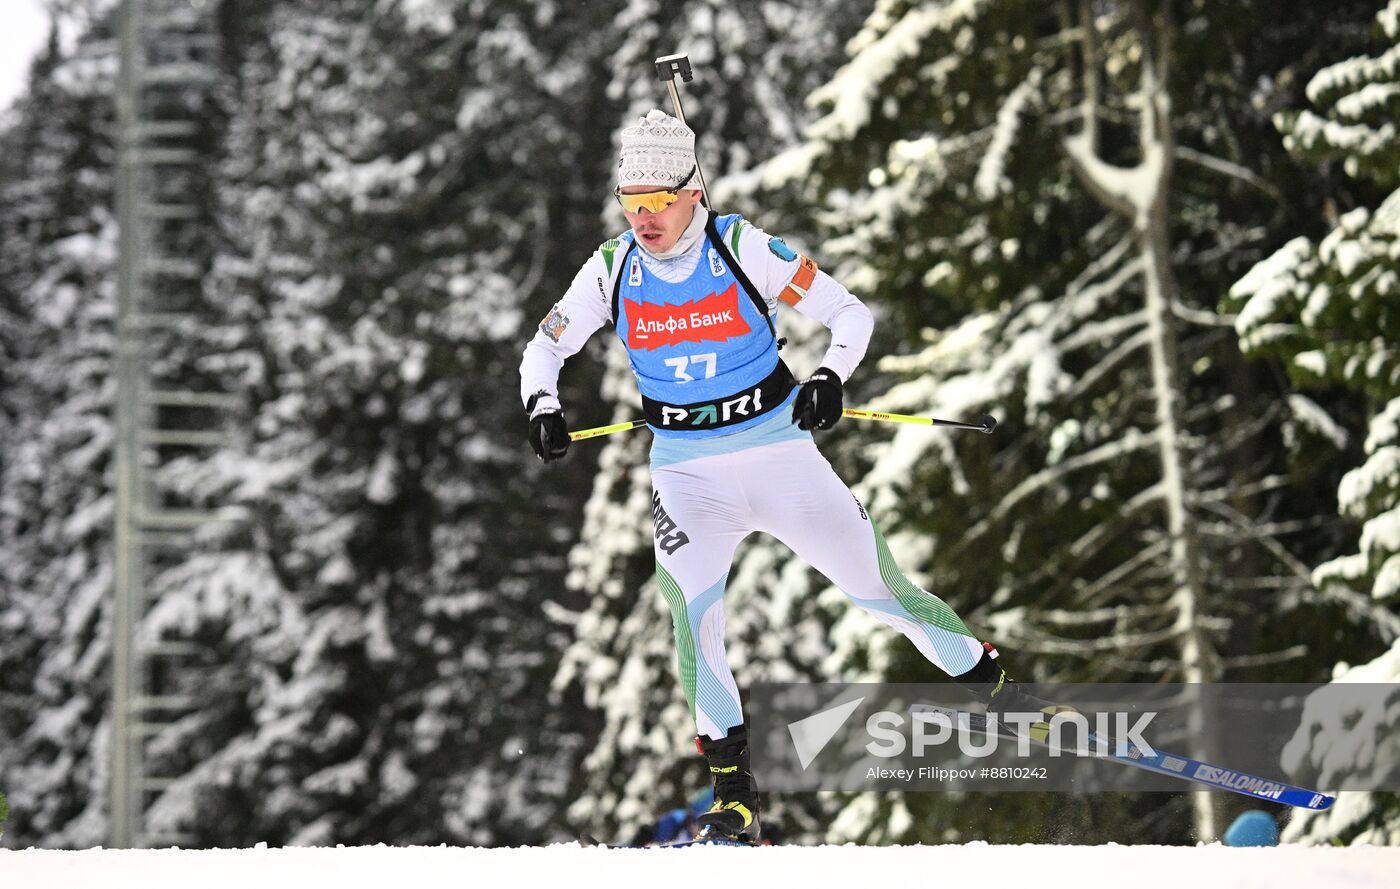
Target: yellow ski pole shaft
<point>606,430</point>
<point>985,423</point>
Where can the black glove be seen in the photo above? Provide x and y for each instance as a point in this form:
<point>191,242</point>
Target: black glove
<point>818,402</point>
<point>549,434</point>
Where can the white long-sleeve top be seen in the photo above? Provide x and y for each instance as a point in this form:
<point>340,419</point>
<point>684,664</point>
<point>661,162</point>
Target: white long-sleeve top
<point>587,304</point>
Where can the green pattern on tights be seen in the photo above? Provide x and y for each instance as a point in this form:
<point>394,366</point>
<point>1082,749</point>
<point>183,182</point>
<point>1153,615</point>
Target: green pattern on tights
<point>685,643</point>
<point>921,604</point>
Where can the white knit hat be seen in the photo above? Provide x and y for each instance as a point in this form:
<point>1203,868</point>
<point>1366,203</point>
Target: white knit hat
<point>658,151</point>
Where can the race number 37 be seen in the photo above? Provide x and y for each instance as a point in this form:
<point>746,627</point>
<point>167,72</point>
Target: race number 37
<point>681,362</point>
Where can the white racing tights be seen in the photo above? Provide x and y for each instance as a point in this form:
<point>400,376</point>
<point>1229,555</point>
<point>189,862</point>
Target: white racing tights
<point>705,506</point>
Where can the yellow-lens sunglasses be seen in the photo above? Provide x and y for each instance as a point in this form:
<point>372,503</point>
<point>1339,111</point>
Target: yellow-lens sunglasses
<point>651,201</point>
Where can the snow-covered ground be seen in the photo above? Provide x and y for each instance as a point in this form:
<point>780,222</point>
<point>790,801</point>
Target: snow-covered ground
<point>976,864</point>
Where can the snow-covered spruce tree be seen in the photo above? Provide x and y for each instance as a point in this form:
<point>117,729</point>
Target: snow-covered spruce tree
<point>1047,207</point>
<point>753,64</point>
<point>57,302</point>
<point>390,201</point>
<point>1327,309</point>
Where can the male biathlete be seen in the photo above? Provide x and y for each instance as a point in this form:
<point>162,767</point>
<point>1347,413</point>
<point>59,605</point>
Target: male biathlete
<point>693,297</point>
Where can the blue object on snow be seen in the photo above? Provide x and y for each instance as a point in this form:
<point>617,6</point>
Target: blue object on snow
<point>1253,828</point>
<point>671,825</point>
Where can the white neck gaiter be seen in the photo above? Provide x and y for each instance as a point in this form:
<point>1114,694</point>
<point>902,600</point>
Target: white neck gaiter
<point>689,238</point>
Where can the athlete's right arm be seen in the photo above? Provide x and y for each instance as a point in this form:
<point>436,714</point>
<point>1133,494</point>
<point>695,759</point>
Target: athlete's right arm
<point>585,307</point>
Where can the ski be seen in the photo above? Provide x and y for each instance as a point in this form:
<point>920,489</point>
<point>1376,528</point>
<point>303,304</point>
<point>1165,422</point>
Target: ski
<point>710,841</point>
<point>1164,763</point>
<point>589,840</point>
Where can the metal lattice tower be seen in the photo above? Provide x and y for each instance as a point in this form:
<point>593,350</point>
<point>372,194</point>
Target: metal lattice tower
<point>168,52</point>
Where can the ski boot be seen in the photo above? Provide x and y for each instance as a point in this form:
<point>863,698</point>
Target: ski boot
<point>989,683</point>
<point>734,815</point>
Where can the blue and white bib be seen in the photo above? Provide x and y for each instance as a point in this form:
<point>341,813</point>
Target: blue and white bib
<point>704,353</point>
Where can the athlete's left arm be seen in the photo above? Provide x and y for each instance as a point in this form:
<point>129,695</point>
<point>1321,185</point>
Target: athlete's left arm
<point>783,275</point>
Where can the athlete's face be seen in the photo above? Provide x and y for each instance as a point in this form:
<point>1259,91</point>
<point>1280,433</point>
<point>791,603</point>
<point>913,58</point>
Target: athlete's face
<point>659,232</point>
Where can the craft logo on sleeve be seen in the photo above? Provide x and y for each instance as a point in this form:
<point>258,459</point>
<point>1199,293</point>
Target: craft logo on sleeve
<point>716,317</point>
<point>555,323</point>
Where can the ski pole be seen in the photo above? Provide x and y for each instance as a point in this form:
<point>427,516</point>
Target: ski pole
<point>606,430</point>
<point>667,67</point>
<point>986,423</point>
